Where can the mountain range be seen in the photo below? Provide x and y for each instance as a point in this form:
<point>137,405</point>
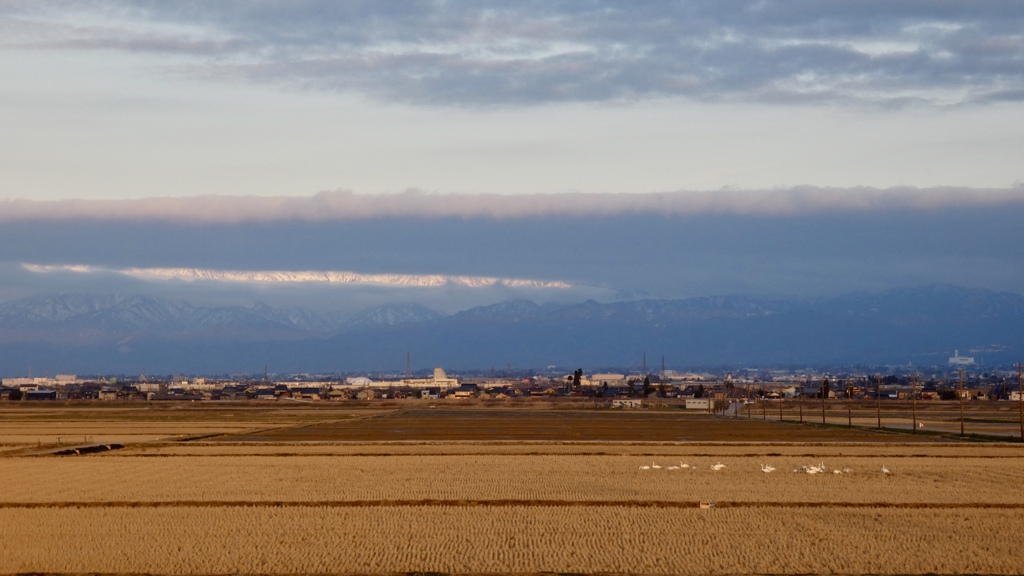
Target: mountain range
<point>111,334</point>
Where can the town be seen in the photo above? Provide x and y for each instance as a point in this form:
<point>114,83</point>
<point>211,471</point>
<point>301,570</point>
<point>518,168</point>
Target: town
<point>704,390</point>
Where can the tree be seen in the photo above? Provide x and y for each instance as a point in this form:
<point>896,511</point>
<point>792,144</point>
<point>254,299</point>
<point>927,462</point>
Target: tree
<point>576,376</point>
<point>647,385</point>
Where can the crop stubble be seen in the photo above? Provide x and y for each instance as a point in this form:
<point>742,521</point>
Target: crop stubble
<point>512,507</point>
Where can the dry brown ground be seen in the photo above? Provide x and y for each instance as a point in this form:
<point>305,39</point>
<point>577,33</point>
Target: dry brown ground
<point>446,424</point>
<point>515,540</point>
<point>509,492</point>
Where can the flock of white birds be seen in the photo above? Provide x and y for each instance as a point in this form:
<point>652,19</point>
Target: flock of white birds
<point>819,468</point>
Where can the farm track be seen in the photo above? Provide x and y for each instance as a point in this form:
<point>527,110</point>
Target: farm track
<point>638,454</point>
<point>510,504</point>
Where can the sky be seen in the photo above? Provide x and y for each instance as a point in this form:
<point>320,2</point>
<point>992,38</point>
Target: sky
<point>342,154</point>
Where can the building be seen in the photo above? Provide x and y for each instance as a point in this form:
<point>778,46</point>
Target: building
<point>957,360</point>
<point>440,380</point>
<point>699,404</point>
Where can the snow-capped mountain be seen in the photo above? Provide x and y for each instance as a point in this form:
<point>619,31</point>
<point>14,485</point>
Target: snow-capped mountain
<point>82,333</point>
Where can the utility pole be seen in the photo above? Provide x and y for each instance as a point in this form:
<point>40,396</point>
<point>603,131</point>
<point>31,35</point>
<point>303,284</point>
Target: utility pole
<point>824,393</point>
<point>781,393</point>
<point>849,402</point>
<point>800,403</point>
<point>878,400</point>
<point>960,393</point>
<point>913,400</point>
<point>1020,385</point>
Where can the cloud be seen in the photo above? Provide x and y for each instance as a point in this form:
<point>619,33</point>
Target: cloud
<point>527,53</point>
<point>873,245</point>
<point>341,205</point>
<point>298,277</point>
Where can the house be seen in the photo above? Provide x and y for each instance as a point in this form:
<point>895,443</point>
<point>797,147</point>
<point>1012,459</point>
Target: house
<point>306,393</point>
<point>41,395</point>
<point>465,391</point>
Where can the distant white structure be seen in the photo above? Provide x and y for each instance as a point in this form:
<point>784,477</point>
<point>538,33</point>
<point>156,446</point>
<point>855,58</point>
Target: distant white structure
<point>440,380</point>
<point>698,404</point>
<point>610,379</point>
<point>958,360</point>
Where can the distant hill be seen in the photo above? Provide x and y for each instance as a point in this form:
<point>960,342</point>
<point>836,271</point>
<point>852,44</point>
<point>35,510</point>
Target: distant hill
<point>128,334</point>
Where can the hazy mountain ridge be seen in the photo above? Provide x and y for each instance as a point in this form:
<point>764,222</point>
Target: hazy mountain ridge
<point>114,317</point>
<point>113,333</point>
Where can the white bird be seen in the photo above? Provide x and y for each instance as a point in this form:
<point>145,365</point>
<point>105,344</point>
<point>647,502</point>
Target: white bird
<point>655,466</point>
<point>837,471</point>
<point>885,470</point>
<point>847,470</point>
<point>717,467</point>
<point>645,467</point>
<point>767,469</point>
<point>672,468</point>
<point>681,465</point>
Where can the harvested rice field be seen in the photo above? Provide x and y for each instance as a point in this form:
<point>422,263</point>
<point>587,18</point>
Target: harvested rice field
<point>404,491</point>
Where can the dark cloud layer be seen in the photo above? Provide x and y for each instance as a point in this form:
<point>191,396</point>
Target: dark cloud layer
<point>638,254</point>
<point>522,53</point>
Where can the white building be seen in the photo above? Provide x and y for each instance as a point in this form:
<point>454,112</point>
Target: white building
<point>440,380</point>
<point>698,404</point>
<point>958,360</point>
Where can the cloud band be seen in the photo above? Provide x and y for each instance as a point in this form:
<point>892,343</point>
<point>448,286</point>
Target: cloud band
<point>346,205</point>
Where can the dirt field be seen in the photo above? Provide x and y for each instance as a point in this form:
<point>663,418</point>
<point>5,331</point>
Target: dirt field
<point>447,424</point>
<point>470,491</point>
<point>985,418</point>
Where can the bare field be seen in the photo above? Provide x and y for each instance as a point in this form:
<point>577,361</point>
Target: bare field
<point>204,448</point>
<point>138,423</point>
<point>282,540</point>
<point>506,492</point>
<point>981,417</point>
<point>468,424</point>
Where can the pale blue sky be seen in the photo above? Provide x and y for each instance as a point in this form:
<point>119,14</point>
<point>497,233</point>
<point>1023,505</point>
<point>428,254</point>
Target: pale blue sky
<point>140,99</point>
